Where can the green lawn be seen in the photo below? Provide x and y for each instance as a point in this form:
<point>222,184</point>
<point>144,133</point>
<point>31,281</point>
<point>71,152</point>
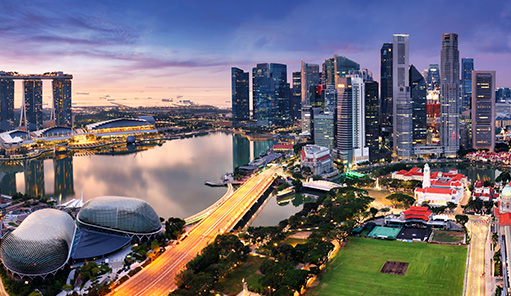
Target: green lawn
<point>232,284</point>
<point>432,270</point>
<point>448,236</point>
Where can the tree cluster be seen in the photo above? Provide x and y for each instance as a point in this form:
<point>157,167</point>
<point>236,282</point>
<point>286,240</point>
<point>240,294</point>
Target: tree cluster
<point>216,261</point>
<point>400,199</point>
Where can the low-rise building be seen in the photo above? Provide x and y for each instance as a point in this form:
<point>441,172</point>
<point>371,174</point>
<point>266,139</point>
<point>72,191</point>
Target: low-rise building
<point>439,188</point>
<point>319,160</point>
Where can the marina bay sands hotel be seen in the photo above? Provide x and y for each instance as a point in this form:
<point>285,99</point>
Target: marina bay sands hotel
<point>32,104</point>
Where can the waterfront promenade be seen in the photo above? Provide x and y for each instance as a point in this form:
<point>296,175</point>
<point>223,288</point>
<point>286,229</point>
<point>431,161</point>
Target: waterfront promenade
<point>158,278</point>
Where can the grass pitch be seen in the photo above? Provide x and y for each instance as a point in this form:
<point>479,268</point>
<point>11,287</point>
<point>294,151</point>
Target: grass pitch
<point>432,270</point>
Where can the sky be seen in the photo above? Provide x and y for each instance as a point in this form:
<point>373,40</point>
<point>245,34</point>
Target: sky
<point>133,50</point>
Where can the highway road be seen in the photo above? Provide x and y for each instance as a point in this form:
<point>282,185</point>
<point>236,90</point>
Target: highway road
<point>476,280</point>
<point>158,277</point>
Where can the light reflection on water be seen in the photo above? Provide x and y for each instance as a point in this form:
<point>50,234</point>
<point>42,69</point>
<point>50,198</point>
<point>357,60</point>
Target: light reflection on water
<point>170,177</point>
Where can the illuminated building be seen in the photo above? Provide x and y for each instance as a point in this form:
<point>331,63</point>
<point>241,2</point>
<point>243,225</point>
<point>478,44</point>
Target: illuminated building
<point>467,66</point>
<point>309,78</point>
<point>386,107</point>
<point>449,94</point>
<point>240,97</point>
<point>6,102</point>
<point>33,95</point>
<point>270,94</point>
<point>328,74</point>
<point>433,77</point>
<point>483,110</point>
<point>318,159</point>
<point>350,131</point>
<point>343,66</point>
<point>295,105</point>
<point>324,130</point>
<point>122,127</point>
<point>62,99</point>
<point>372,126</point>
<point>418,95</point>
<point>402,104</point>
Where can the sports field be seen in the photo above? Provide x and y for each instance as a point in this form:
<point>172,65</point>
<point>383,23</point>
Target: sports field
<point>432,270</point>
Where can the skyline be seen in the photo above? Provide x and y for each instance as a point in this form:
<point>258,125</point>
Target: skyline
<point>162,50</point>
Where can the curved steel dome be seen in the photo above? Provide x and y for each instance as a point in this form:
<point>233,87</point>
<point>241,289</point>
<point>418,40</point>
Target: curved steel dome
<point>506,192</point>
<point>40,245</point>
<point>123,214</point>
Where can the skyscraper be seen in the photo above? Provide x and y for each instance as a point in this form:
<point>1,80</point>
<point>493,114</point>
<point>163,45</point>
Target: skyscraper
<point>402,105</point>
<point>418,94</point>
<point>449,94</point>
<point>343,66</point>
<point>309,79</point>
<point>350,131</point>
<point>483,110</point>
<point>467,66</point>
<point>33,94</point>
<point>372,126</point>
<point>296,97</point>
<point>62,99</point>
<point>240,97</point>
<point>386,105</point>
<point>6,103</point>
<point>324,129</point>
<point>329,71</point>
<point>270,94</point>
<point>433,77</point>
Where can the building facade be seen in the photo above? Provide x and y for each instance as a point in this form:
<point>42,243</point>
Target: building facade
<point>467,66</point>
<point>33,97</point>
<point>386,105</point>
<point>6,103</point>
<point>270,94</point>
<point>324,128</point>
<point>318,159</point>
<point>483,111</point>
<point>372,126</point>
<point>449,94</point>
<point>240,97</point>
<point>62,100</point>
<point>296,97</point>
<point>402,104</point>
<point>419,113</point>
<point>433,77</point>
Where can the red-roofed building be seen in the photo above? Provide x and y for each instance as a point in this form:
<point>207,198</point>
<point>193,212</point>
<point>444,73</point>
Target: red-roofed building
<point>318,159</point>
<point>282,148</point>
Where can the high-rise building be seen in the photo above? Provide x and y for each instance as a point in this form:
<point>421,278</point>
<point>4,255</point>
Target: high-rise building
<point>62,100</point>
<point>503,93</point>
<point>270,94</point>
<point>433,77</point>
<point>296,97</point>
<point>386,105</point>
<point>309,79</point>
<point>350,131</point>
<point>240,97</point>
<point>324,129</point>
<point>402,105</point>
<point>467,66</point>
<point>449,94</point>
<point>330,95</point>
<point>6,103</point>
<point>343,66</point>
<point>419,113</point>
<point>329,71</point>
<point>372,126</point>
<point>33,96</point>
<point>483,110</point>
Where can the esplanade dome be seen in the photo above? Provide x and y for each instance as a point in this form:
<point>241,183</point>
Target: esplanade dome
<point>127,215</point>
<point>40,245</point>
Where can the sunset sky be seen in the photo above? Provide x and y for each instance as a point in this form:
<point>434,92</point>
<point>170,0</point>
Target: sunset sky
<point>162,49</point>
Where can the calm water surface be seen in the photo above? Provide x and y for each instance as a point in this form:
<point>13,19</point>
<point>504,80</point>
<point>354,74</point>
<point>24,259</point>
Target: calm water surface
<point>170,177</point>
